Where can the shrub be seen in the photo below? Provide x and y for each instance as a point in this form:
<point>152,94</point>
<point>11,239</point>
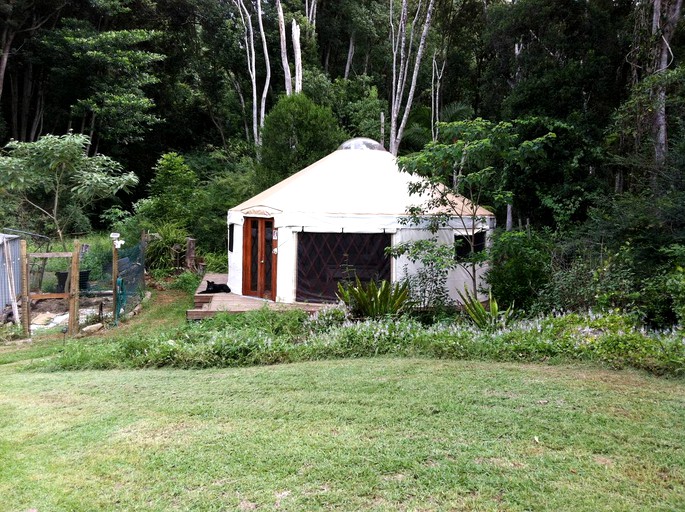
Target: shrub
<point>187,282</point>
<point>486,319</point>
<point>166,247</point>
<point>215,262</point>
<point>269,337</point>
<point>373,300</point>
<point>519,267</point>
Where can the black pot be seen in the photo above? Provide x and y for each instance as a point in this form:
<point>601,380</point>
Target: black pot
<point>83,277</point>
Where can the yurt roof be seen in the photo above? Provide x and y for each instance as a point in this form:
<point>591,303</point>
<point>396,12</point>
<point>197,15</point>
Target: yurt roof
<point>359,178</point>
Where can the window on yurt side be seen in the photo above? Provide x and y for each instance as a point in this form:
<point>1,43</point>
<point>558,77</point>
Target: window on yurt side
<point>463,241</point>
<point>325,259</point>
<point>231,232</point>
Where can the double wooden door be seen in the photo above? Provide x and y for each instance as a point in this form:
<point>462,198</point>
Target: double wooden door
<point>260,241</point>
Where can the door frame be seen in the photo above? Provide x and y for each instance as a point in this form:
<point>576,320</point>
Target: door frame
<point>263,252</point>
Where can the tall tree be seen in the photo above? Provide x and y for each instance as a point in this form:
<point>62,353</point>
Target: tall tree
<point>258,108</point>
<point>57,178</point>
<point>22,17</point>
<point>406,56</point>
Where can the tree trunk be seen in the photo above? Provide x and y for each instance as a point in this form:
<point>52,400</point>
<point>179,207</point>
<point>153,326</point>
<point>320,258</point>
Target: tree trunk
<point>310,11</point>
<point>510,217</point>
<point>267,64</point>
<point>37,124</point>
<point>350,56</point>
<point>665,16</point>
<point>251,68</point>
<point>14,91</point>
<point>6,39</point>
<point>402,56</point>
<point>298,57</point>
<point>284,50</point>
<point>27,93</point>
<point>436,82</point>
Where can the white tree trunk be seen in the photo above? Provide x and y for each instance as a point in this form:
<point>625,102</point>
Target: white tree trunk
<point>298,57</point>
<point>284,50</point>
<point>436,82</point>
<point>310,11</point>
<point>403,46</point>
<point>258,109</point>
<point>250,57</point>
<point>350,56</point>
<point>267,64</point>
<point>665,16</point>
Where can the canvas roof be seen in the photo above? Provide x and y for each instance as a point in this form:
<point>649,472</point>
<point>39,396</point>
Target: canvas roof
<point>360,178</point>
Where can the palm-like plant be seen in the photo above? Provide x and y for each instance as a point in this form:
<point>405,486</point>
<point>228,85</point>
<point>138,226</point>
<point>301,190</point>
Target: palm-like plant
<point>374,300</point>
<point>486,319</point>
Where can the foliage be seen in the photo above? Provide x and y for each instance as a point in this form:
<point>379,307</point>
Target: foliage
<point>519,267</point>
<point>9,332</point>
<point>178,196</point>
<point>270,337</point>
<point>215,261</point>
<point>485,318</point>
<point>621,258</point>
<point>108,71</point>
<point>296,133</point>
<point>186,282</point>
<point>374,300</point>
<point>99,256</point>
<point>170,189</point>
<point>427,282</point>
<point>56,176</point>
<point>355,102</point>
<point>166,247</point>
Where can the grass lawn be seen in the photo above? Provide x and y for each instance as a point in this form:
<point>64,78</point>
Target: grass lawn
<point>356,434</point>
<point>379,434</point>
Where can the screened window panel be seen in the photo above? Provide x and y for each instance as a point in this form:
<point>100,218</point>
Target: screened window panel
<point>325,259</point>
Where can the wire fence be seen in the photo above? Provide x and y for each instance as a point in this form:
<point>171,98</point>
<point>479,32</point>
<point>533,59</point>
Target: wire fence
<point>96,280</point>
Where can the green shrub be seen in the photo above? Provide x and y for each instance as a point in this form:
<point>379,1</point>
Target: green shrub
<point>166,247</point>
<point>215,262</point>
<point>328,318</point>
<point>374,300</point>
<point>486,319</point>
<point>9,332</point>
<point>269,337</point>
<point>187,282</point>
<point>519,267</point>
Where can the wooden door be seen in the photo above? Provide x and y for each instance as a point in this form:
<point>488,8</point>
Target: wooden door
<point>260,240</point>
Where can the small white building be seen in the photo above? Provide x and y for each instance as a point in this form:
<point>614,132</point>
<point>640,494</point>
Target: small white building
<point>10,269</point>
<point>331,221</point>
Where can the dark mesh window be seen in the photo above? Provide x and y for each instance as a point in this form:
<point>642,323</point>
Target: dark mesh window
<point>324,259</point>
<point>462,244</point>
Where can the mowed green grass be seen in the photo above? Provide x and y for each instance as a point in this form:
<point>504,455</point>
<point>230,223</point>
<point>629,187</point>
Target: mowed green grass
<point>368,434</point>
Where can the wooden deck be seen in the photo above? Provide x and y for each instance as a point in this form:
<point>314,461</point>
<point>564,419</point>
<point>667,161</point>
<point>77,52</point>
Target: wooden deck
<point>209,304</point>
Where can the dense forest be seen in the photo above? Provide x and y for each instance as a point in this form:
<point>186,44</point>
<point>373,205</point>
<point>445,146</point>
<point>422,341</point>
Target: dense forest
<point>569,114</point>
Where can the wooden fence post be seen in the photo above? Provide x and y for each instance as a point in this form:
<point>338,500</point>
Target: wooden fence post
<point>25,305</point>
<point>190,253</point>
<point>74,290</point>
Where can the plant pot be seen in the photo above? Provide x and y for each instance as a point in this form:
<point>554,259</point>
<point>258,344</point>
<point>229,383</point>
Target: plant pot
<point>83,277</point>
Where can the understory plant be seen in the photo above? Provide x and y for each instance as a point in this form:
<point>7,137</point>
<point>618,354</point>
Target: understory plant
<point>374,300</point>
<point>485,318</point>
<point>270,337</point>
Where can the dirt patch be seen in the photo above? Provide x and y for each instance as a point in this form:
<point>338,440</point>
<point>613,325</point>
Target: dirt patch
<point>62,306</point>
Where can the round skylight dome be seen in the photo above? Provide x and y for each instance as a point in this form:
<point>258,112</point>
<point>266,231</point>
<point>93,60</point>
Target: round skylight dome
<point>361,143</point>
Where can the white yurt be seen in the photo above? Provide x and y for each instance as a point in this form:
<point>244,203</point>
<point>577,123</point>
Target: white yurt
<point>332,221</point>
